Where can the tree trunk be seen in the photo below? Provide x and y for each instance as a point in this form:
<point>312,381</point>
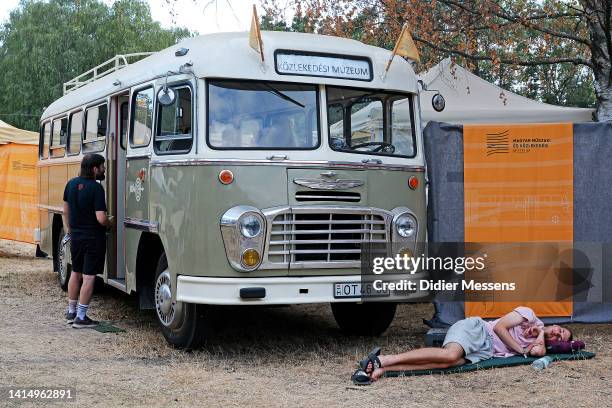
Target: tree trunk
<point>599,21</point>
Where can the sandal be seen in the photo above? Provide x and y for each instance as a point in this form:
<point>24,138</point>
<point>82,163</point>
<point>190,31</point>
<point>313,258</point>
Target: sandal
<point>360,377</point>
<point>372,359</point>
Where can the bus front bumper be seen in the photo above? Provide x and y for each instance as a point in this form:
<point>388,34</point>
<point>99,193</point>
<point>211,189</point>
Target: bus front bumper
<point>278,290</point>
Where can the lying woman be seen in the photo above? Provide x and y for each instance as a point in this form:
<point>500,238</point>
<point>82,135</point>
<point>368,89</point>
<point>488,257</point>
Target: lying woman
<point>473,340</point>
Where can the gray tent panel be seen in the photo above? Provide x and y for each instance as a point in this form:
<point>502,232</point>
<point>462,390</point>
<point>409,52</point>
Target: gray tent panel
<point>444,156</point>
<point>593,215</point>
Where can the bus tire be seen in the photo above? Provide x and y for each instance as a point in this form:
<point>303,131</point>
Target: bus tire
<point>182,324</point>
<point>64,267</point>
<point>364,319</point>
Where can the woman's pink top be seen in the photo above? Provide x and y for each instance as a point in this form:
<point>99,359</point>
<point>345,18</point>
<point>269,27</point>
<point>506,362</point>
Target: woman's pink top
<point>529,320</point>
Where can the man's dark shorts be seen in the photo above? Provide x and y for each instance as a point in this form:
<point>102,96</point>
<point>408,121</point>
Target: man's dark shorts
<point>88,255</point>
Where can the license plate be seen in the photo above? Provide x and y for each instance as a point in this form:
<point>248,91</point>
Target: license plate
<point>357,290</point>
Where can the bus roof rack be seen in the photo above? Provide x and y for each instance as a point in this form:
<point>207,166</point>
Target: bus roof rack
<point>112,65</point>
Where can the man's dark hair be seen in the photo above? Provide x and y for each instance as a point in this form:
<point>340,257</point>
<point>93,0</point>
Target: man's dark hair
<point>571,336</point>
<point>88,163</point>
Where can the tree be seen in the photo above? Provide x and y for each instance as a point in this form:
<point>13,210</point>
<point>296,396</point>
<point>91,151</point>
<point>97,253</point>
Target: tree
<point>45,44</point>
<point>553,46</point>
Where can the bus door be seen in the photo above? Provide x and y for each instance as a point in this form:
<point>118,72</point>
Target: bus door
<point>116,152</point>
<point>136,172</point>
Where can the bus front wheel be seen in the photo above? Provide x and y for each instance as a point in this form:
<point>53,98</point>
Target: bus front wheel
<point>182,324</point>
<point>64,266</point>
<point>364,319</point>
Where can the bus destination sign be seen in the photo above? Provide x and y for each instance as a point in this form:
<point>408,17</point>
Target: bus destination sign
<point>332,66</point>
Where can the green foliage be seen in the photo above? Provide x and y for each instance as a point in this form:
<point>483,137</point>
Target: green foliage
<point>298,24</point>
<point>45,44</point>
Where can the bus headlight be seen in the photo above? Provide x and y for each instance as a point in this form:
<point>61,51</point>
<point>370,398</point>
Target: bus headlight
<point>405,225</point>
<point>243,232</point>
<point>250,225</point>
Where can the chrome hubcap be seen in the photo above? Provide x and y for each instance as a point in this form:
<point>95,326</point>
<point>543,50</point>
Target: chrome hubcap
<point>63,261</point>
<point>169,313</point>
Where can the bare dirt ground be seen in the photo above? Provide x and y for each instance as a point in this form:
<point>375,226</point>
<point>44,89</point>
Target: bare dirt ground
<point>273,357</point>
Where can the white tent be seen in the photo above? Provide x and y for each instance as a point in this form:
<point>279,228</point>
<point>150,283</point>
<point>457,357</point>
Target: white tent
<point>471,99</point>
<point>11,134</point>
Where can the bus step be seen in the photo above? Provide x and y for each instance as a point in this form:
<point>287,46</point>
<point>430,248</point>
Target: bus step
<point>117,283</point>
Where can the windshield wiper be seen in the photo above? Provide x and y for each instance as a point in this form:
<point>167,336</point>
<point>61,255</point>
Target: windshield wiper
<point>283,96</point>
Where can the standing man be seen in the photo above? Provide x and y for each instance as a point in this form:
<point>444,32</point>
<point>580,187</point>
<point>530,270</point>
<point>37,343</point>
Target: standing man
<point>86,221</point>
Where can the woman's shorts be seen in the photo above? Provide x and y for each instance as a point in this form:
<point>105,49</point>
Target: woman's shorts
<point>88,255</point>
<point>472,335</point>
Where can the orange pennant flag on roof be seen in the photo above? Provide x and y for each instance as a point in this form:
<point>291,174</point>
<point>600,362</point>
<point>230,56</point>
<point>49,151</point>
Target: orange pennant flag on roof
<point>406,47</point>
<point>255,35</point>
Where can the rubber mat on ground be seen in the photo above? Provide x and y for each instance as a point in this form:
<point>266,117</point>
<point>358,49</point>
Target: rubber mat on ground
<point>106,327</point>
<point>495,362</point>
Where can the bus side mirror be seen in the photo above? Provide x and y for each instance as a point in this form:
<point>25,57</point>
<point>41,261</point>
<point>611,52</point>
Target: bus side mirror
<point>166,96</point>
<point>438,102</point>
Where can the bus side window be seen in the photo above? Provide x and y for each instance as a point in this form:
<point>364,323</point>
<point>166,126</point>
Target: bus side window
<point>95,128</point>
<point>402,131</point>
<point>44,143</point>
<point>123,124</point>
<point>174,124</point>
<point>141,128</point>
<point>58,137</point>
<point>74,133</point>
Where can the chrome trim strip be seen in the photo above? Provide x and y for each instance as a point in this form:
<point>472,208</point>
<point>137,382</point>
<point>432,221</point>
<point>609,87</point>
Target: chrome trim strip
<point>59,161</point>
<point>139,156</point>
<point>305,198</point>
<point>142,225</point>
<point>325,231</point>
<point>332,222</point>
<point>323,164</point>
<point>320,184</point>
<point>51,208</point>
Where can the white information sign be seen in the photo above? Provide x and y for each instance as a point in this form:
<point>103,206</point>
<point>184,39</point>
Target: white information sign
<point>317,65</point>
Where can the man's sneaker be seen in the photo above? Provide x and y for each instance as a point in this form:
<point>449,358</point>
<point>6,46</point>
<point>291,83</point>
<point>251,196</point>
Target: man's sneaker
<point>84,323</point>
<point>70,317</point>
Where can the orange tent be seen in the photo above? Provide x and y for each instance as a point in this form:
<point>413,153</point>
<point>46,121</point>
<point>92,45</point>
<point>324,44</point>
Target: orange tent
<point>519,188</point>
<point>18,186</point>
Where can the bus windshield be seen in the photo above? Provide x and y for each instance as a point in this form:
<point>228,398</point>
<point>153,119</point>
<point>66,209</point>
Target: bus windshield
<point>370,122</point>
<point>262,115</point>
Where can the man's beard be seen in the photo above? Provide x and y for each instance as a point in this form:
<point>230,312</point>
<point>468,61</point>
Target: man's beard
<point>100,177</point>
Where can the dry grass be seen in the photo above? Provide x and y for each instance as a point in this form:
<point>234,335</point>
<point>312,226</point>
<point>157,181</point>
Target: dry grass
<point>293,356</point>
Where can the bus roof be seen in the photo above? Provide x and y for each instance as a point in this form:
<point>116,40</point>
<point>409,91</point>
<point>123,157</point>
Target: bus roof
<point>228,55</point>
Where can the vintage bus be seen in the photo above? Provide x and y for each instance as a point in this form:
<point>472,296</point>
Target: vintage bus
<point>237,181</point>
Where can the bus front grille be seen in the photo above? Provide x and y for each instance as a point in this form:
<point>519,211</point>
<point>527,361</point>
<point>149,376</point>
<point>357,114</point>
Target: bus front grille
<point>324,237</point>
<point>318,195</point>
